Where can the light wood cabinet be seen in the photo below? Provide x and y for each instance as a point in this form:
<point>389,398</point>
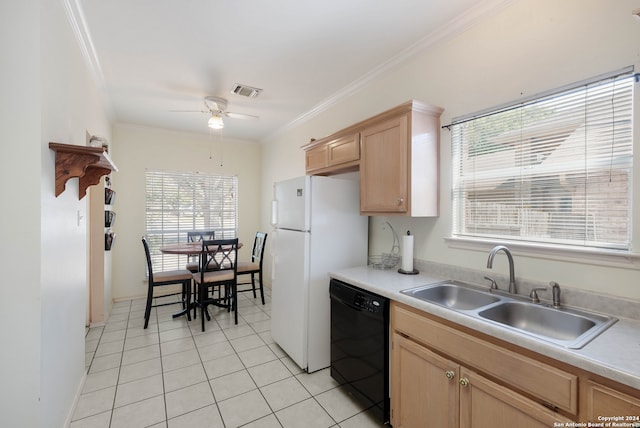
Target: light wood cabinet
<point>384,169</point>
<point>424,387</point>
<point>397,154</point>
<point>332,155</point>
<point>399,162</point>
<point>430,390</point>
<point>485,404</point>
<point>458,377</point>
<point>435,377</point>
<point>605,401</point>
<point>316,158</point>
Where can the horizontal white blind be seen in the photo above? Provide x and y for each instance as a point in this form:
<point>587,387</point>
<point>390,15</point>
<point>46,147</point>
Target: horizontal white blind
<point>178,202</point>
<point>554,170</point>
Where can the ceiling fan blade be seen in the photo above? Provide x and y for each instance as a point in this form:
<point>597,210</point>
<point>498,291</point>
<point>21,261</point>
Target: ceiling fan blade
<point>239,115</point>
<point>189,111</point>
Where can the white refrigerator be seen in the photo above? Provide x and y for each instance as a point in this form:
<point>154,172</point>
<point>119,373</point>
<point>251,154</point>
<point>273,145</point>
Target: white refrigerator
<point>318,228</point>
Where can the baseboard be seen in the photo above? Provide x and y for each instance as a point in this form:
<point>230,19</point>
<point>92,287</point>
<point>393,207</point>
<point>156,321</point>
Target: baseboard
<point>76,398</point>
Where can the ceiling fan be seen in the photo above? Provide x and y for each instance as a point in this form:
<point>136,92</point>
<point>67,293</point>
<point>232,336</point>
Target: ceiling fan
<point>217,108</point>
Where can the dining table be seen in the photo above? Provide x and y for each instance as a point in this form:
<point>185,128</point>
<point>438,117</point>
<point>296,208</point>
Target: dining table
<point>188,249</point>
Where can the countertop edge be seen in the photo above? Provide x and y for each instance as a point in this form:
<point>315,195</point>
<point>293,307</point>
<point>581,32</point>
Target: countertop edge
<point>602,356</point>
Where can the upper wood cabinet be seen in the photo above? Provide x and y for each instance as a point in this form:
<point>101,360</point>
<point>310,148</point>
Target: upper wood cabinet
<point>399,162</point>
<point>397,154</point>
<point>334,154</point>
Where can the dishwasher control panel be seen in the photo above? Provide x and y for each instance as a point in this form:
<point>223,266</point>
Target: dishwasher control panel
<point>368,303</point>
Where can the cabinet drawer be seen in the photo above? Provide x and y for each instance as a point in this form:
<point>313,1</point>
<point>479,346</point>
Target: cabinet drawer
<point>550,384</point>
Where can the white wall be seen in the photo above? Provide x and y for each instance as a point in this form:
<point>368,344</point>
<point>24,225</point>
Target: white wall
<point>71,106</point>
<point>20,226</point>
<point>47,95</point>
<point>137,149</point>
<point>528,47</point>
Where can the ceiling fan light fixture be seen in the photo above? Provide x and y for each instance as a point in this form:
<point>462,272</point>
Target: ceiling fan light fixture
<point>215,122</point>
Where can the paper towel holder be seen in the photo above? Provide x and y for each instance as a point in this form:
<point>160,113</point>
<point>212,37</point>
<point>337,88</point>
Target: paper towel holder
<point>413,271</point>
<point>410,272</point>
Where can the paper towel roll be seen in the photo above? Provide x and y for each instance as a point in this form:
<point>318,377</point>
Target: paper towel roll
<point>407,253</point>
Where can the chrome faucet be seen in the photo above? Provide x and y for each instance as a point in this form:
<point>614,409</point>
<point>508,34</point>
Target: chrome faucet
<point>555,291</point>
<point>512,276</point>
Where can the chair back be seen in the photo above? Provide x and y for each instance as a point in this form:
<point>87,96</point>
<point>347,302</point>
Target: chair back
<point>220,254</point>
<point>258,248</point>
<point>200,235</point>
<point>148,256</point>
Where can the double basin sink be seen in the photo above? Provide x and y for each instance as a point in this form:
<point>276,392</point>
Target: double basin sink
<point>563,326</point>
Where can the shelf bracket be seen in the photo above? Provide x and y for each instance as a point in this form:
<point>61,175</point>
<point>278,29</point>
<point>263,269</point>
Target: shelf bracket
<point>88,164</point>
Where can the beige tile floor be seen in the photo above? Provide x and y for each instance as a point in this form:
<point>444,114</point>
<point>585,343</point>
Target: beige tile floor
<point>173,375</point>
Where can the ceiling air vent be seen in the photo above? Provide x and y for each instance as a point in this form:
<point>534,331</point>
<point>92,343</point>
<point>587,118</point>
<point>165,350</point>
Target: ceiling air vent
<point>245,91</point>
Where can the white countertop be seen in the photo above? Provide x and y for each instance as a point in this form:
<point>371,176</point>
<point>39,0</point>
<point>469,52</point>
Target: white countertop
<point>614,354</point>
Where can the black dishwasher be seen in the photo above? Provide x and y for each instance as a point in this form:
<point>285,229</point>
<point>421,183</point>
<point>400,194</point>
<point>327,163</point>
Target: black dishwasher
<point>360,344</point>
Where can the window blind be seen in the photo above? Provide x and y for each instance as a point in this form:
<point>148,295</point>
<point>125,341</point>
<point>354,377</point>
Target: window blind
<point>177,202</point>
<point>556,169</point>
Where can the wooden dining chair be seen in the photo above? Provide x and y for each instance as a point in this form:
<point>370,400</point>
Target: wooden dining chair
<point>193,264</point>
<point>254,267</point>
<point>160,279</point>
<point>218,270</point>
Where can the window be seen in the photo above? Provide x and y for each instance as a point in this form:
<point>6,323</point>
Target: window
<point>553,169</point>
<point>178,202</point>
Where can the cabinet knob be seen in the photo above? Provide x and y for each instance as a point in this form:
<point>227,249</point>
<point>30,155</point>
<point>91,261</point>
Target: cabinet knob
<point>400,200</point>
<point>464,382</point>
<point>449,374</point>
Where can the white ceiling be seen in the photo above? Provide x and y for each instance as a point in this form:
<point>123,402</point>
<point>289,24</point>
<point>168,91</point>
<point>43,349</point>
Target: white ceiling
<point>154,56</point>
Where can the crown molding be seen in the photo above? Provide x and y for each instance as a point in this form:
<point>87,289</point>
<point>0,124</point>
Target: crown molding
<point>449,30</point>
<point>78,23</point>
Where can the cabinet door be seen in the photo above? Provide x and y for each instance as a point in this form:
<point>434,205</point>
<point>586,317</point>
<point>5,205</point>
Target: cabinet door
<point>424,389</point>
<point>485,404</point>
<point>604,401</point>
<point>344,149</point>
<point>316,158</point>
<point>384,167</point>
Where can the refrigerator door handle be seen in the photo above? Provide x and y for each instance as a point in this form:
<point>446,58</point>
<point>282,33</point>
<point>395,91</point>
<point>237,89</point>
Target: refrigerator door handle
<point>273,251</point>
<point>274,213</point>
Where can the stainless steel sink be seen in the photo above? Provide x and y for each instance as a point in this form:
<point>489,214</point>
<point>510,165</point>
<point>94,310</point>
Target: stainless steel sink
<point>452,295</point>
<point>571,328</point>
<point>563,326</point>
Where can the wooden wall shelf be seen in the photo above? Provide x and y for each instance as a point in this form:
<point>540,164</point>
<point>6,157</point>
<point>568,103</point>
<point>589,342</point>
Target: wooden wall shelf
<point>87,163</point>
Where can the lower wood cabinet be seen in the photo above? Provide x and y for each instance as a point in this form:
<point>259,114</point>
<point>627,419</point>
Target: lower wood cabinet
<point>429,390</point>
<point>485,404</point>
<point>424,389</point>
<point>443,375</point>
<point>604,401</point>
